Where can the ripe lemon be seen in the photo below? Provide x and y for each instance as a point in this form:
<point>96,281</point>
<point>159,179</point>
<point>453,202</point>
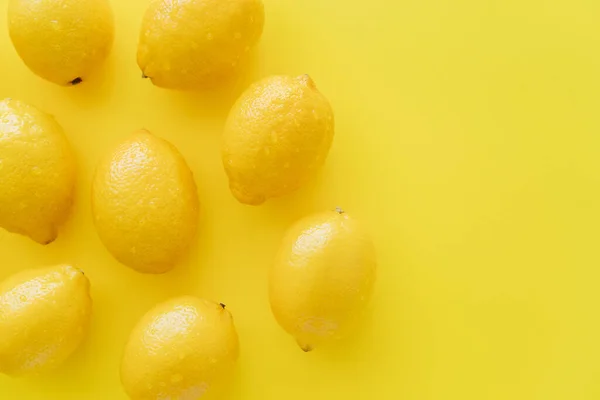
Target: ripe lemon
<point>195,44</point>
<point>61,41</point>
<point>37,171</point>
<point>145,204</point>
<point>322,278</point>
<point>277,136</point>
<point>44,316</point>
<point>182,349</point>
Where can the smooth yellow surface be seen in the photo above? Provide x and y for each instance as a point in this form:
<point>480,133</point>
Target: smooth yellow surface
<point>466,140</point>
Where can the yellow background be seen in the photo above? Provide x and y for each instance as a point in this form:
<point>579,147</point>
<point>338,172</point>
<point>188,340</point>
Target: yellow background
<point>467,140</point>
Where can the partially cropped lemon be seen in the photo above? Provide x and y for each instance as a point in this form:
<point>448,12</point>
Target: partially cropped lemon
<point>145,204</point>
<point>61,41</point>
<point>44,316</point>
<point>37,171</point>
<point>196,44</point>
<point>322,278</point>
<point>185,348</point>
<point>277,136</point>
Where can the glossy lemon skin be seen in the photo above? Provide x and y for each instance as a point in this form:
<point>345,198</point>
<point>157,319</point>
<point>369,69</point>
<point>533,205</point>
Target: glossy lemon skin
<point>37,171</point>
<point>185,348</point>
<point>197,44</point>
<point>62,41</point>
<point>145,203</point>
<point>44,316</point>
<point>277,136</point>
<point>322,278</point>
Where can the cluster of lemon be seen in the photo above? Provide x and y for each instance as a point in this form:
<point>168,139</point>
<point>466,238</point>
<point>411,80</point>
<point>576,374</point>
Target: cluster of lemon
<point>145,203</point>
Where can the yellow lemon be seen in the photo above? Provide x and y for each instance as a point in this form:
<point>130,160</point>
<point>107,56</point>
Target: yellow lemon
<point>61,41</point>
<point>37,171</point>
<point>145,203</point>
<point>277,136</point>
<point>195,44</point>
<point>322,278</point>
<point>185,348</point>
<point>44,316</point>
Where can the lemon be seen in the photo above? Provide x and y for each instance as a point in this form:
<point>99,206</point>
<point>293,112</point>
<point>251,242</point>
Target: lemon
<point>44,316</point>
<point>196,44</point>
<point>322,278</point>
<point>185,348</point>
<point>37,171</point>
<point>277,136</point>
<point>61,41</point>
<point>145,204</point>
